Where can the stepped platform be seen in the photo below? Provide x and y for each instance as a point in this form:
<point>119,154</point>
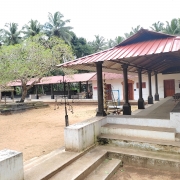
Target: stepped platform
<point>149,138</point>
<point>139,131</point>
<point>98,163</point>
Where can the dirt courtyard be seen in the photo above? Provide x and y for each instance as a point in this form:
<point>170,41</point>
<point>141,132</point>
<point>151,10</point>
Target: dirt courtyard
<point>39,131</point>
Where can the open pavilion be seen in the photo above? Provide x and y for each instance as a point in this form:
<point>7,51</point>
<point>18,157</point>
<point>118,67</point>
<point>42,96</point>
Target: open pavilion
<point>146,52</point>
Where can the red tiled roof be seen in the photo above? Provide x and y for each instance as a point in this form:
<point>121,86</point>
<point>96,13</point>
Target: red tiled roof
<point>140,50</point>
<point>57,79</point>
<point>110,76</point>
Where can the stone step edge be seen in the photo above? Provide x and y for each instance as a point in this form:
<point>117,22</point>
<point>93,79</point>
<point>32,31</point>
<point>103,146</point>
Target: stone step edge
<point>46,176</point>
<point>142,153</point>
<point>135,127</point>
<point>139,139</point>
<point>113,165</point>
<point>92,167</point>
<point>38,160</point>
<point>87,167</point>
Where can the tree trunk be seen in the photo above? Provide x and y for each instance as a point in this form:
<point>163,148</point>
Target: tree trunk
<point>24,92</point>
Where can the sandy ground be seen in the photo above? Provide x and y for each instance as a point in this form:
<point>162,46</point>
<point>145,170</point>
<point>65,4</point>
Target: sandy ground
<point>137,173</point>
<point>40,131</point>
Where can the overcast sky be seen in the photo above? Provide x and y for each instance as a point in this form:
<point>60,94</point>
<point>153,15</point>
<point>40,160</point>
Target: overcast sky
<point>108,18</point>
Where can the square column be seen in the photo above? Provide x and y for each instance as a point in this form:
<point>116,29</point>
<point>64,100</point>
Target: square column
<point>80,87</point>
<point>100,111</point>
<point>11,165</point>
<point>140,100</point>
<point>87,91</point>
<point>150,97</point>
<point>52,92</point>
<point>156,96</point>
<point>126,105</point>
<point>37,96</point>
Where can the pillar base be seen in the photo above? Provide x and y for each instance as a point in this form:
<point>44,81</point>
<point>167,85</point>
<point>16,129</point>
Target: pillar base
<point>141,103</point>
<point>156,97</point>
<point>150,100</point>
<point>52,96</point>
<point>127,109</point>
<point>37,97</point>
<point>101,113</point>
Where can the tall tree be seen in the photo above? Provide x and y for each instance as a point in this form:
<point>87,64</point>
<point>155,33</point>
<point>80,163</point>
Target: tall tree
<point>133,31</point>
<point>32,28</point>
<point>173,27</point>
<point>57,27</point>
<point>11,35</point>
<point>80,46</point>
<point>31,60</point>
<point>118,40</point>
<point>99,43</point>
<point>158,27</point>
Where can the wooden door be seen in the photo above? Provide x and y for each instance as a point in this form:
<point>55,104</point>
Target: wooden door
<point>109,90</point>
<point>169,87</point>
<point>130,91</point>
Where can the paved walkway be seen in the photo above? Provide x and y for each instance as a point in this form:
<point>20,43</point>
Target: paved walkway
<point>159,110</point>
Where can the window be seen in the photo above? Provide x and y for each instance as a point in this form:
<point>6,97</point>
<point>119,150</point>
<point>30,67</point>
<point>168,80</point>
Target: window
<point>143,85</point>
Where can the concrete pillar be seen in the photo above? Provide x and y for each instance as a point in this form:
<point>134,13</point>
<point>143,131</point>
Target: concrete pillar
<point>80,87</point>
<point>37,97</point>
<point>12,95</point>
<point>52,92</point>
<point>11,165</point>
<point>100,111</point>
<point>156,96</point>
<point>68,85</point>
<point>140,100</point>
<point>126,105</point>
<point>87,93</point>
<point>150,97</point>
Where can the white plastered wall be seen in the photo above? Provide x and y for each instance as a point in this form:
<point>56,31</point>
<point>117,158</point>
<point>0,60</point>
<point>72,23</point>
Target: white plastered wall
<point>117,85</point>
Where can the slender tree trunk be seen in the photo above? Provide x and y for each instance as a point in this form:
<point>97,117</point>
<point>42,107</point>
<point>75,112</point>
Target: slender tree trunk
<point>24,92</point>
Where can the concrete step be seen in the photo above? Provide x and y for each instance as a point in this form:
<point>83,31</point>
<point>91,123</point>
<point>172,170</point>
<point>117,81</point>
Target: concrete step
<point>139,143</point>
<point>140,131</point>
<point>105,170</point>
<point>38,160</point>
<point>177,137</point>
<point>146,159</point>
<point>49,165</point>
<point>82,167</point>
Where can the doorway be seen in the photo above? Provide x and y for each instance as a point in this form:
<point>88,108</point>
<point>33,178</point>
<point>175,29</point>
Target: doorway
<point>169,87</point>
<point>109,91</point>
<point>130,90</point>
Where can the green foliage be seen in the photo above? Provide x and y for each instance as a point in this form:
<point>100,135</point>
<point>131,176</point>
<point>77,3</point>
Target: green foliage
<point>158,27</point>
<point>32,59</point>
<point>80,46</point>
<point>98,44</point>
<point>11,35</point>
<point>57,27</point>
<point>32,28</point>
<point>173,27</point>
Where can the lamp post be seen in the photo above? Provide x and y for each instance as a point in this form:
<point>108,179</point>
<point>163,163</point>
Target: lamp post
<point>66,116</point>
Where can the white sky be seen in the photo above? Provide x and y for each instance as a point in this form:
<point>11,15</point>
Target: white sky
<point>108,18</point>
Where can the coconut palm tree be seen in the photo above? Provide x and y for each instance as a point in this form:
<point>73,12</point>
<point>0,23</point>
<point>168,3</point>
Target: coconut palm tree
<point>118,40</point>
<point>99,44</point>
<point>32,28</point>
<point>173,27</point>
<point>136,29</point>
<point>57,27</point>
<point>11,36</point>
<point>158,27</point>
